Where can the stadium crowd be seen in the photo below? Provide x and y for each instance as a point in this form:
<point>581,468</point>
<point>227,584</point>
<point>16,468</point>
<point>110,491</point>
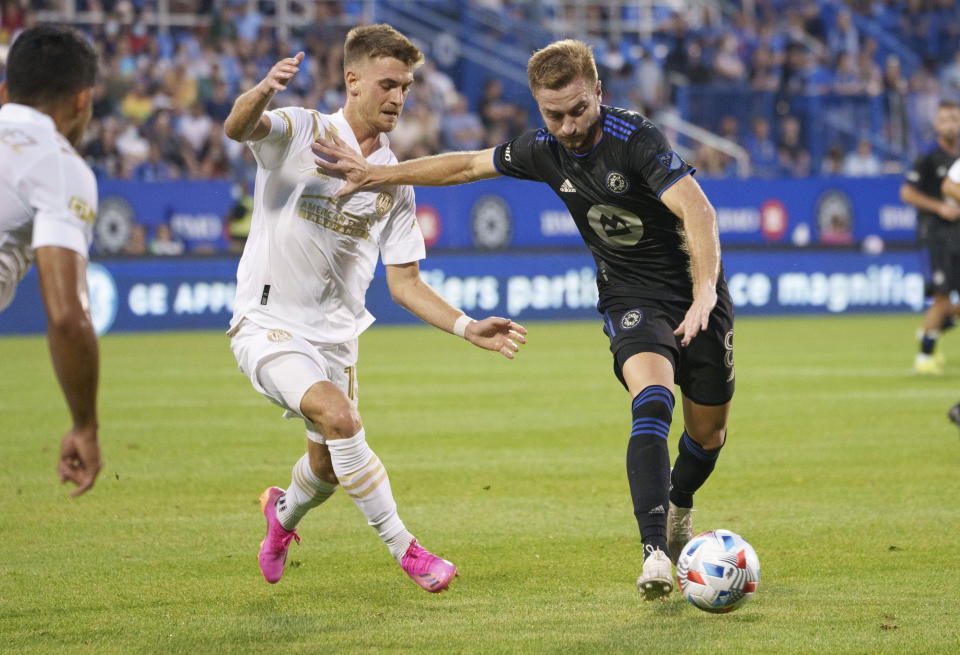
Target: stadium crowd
<point>163,94</point>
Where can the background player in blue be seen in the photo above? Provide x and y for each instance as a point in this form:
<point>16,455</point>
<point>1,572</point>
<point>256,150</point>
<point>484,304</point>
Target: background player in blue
<point>653,234</point>
<point>938,232</point>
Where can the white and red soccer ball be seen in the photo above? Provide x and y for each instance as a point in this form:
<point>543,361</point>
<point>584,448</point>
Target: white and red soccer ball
<point>718,571</point>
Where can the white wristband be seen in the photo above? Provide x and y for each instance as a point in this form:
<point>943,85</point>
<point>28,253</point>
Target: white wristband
<point>460,327</point>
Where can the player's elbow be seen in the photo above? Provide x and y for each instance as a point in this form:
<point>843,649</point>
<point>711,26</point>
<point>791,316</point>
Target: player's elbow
<point>234,131</point>
<point>400,294</point>
<point>905,196</point>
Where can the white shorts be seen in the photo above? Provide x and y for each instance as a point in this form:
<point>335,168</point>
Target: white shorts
<point>283,366</point>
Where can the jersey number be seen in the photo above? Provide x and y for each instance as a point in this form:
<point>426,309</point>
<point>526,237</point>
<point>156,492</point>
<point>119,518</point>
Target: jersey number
<point>615,225</point>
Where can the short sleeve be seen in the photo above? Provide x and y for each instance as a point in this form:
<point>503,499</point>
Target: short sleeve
<point>954,172</point>
<point>62,192</point>
<point>516,158</point>
<point>401,241</point>
<point>654,160</point>
<point>286,125</point>
<point>915,174</point>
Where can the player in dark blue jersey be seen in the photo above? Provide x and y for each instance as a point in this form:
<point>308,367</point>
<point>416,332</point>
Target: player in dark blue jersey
<point>653,234</point>
<point>938,232</point>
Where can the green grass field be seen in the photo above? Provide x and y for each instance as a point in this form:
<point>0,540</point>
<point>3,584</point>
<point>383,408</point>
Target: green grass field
<point>841,469</point>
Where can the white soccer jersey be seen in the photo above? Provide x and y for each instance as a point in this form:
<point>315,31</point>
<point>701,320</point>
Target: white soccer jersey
<point>48,194</point>
<point>954,172</point>
<point>309,258</point>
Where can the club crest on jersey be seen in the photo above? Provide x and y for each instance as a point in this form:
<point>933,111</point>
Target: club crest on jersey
<point>631,319</point>
<point>384,203</point>
<point>279,336</point>
<point>617,182</point>
<point>670,160</point>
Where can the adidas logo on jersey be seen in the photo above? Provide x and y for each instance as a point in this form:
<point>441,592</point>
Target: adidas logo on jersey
<point>567,187</point>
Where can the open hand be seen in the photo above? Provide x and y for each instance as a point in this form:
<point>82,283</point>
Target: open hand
<point>697,317</point>
<point>335,157</point>
<point>495,333</point>
<point>282,72</point>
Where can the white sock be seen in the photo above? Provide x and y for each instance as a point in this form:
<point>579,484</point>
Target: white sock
<point>363,477</point>
<point>305,492</point>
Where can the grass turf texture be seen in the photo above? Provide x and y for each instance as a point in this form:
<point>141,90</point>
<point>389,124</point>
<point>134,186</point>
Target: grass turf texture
<point>841,470</point>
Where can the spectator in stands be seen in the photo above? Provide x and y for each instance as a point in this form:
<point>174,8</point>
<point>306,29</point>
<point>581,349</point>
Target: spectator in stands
<point>219,105</point>
<point>155,168</point>
<point>461,129</point>
<point>759,145</point>
<point>846,80</point>
<point>728,66</point>
<point>764,74</point>
<point>136,241</point>
<point>195,129</point>
<point>895,97</point>
<point>832,163</point>
<point>793,157</point>
<point>137,105</point>
<point>950,79</point>
<point>163,242</point>
<point>870,75</point>
<point>493,109</point>
<point>843,37</point>
<point>862,162</point>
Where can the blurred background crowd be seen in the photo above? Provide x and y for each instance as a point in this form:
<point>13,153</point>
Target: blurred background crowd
<point>763,76</point>
<point>759,75</point>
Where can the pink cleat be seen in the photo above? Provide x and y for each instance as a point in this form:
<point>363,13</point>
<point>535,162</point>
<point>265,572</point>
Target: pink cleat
<point>427,570</point>
<point>273,548</point>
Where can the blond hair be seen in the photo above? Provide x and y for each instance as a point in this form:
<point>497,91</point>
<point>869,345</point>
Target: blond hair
<point>560,63</point>
<point>372,41</point>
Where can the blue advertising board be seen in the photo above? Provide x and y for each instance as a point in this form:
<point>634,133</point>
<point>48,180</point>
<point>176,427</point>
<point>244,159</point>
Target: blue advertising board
<point>195,211</point>
<point>191,293</point>
<point>504,214</point>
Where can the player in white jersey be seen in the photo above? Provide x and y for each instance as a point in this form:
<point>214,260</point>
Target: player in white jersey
<point>302,280</point>
<point>48,202</point>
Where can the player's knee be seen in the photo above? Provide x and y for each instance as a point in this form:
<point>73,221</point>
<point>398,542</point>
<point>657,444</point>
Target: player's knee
<point>710,436</point>
<point>340,422</point>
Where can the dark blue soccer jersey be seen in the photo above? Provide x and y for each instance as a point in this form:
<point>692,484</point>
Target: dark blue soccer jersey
<point>613,193</point>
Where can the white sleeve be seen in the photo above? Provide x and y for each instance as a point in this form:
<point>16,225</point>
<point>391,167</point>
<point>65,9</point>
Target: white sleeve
<point>286,125</point>
<point>954,172</point>
<point>401,241</point>
<point>62,191</point>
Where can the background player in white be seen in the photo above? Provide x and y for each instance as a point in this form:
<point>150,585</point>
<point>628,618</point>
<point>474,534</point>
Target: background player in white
<point>302,280</point>
<point>48,202</point>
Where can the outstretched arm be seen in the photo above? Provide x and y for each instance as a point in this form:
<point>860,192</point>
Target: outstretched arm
<point>416,296</point>
<point>337,158</point>
<point>73,348</point>
<point>687,200</point>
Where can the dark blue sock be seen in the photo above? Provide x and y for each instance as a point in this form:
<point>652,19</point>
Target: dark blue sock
<point>693,466</point>
<point>648,463</point>
<point>927,343</point>
<point>949,321</point>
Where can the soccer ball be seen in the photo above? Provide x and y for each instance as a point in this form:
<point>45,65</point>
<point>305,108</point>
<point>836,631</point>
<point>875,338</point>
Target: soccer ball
<point>718,571</point>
